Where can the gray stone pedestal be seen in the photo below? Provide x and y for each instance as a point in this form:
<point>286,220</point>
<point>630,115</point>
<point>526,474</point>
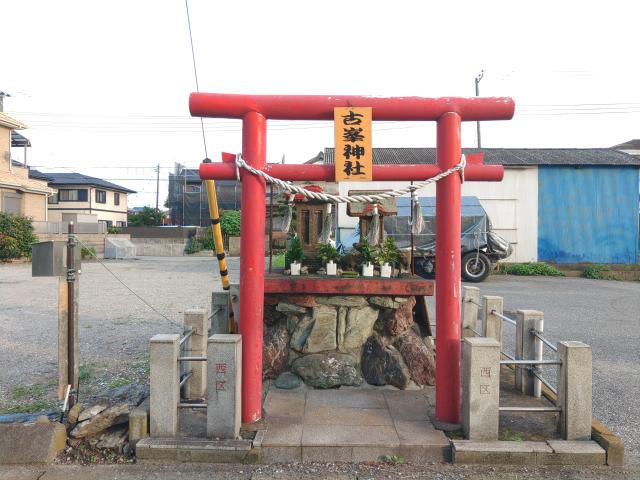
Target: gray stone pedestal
<point>480,388</point>
<point>165,385</point>
<point>224,354</point>
<point>575,390</point>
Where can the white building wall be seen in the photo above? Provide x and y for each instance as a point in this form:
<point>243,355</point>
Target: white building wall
<point>512,206</point>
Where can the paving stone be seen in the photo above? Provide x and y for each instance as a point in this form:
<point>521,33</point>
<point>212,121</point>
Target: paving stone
<point>407,406</point>
<point>346,416</point>
<point>574,452</point>
<point>511,453</point>
<point>281,433</point>
<point>290,308</point>
<point>420,433</point>
<point>326,454</point>
<point>349,435</point>
<point>323,332</point>
<point>346,398</point>
<point>282,454</point>
<point>285,404</point>
<point>372,453</point>
<point>350,301</point>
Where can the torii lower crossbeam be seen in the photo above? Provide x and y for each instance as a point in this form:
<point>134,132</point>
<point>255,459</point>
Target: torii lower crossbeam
<point>254,110</point>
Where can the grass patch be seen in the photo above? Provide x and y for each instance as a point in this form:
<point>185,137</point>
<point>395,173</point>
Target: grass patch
<point>119,382</point>
<point>597,272</point>
<point>509,436</point>
<point>85,372</point>
<point>392,459</point>
<point>29,391</point>
<point>531,269</point>
<point>30,407</point>
<point>455,434</point>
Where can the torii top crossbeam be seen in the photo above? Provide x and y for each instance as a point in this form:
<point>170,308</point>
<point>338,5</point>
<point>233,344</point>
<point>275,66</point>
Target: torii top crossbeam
<point>254,110</point>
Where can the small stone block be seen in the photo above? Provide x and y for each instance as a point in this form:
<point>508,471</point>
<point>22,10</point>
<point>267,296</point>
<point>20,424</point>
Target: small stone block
<point>575,452</point>
<point>192,450</point>
<point>38,443</point>
<point>139,422</point>
<point>497,452</point>
<point>224,355</point>
<point>613,445</point>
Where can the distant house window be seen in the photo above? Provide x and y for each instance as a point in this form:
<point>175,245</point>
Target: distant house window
<point>116,199</point>
<point>121,224</point>
<point>191,188</point>
<point>53,199</point>
<point>75,195</point>
<point>101,196</point>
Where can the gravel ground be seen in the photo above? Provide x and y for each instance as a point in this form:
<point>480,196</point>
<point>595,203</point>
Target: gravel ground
<point>115,328</point>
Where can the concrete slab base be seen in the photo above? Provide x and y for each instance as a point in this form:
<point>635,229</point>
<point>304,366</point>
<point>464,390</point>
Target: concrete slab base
<point>551,452</point>
<point>194,450</point>
<point>36,443</point>
<point>349,425</point>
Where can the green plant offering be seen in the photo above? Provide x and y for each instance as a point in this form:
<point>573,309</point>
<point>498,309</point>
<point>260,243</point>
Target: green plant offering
<point>366,250</point>
<point>387,252</point>
<point>532,269</point>
<point>294,252</point>
<point>327,253</point>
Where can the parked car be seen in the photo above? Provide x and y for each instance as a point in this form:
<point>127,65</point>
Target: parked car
<point>481,247</point>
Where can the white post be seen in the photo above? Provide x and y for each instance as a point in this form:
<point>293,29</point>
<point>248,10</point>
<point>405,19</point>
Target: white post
<point>575,390</point>
<point>196,346</point>
<point>492,323</point>
<point>164,385</point>
<point>528,347</point>
<point>480,388</point>
<point>224,355</point>
<point>470,302</point>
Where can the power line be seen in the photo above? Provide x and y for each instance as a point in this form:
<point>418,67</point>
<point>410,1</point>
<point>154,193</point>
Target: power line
<point>195,74</point>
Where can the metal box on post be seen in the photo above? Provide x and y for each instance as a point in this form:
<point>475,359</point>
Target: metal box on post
<point>49,259</point>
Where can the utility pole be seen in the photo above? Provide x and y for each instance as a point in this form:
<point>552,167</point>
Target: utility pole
<point>2,95</point>
<point>157,185</point>
<point>478,78</point>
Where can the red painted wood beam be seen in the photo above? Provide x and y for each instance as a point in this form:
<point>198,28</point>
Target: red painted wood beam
<point>320,107</point>
<point>347,286</point>
<point>318,173</point>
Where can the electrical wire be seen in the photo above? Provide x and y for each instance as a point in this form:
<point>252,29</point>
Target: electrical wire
<point>127,286</point>
<point>195,74</point>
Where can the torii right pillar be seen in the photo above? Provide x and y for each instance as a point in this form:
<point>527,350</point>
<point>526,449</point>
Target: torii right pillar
<point>254,111</point>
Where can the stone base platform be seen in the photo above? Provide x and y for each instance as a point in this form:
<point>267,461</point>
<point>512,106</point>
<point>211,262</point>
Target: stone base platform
<point>351,425</point>
<point>195,450</point>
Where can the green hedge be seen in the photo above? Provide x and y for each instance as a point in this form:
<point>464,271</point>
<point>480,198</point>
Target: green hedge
<point>16,236</point>
<point>531,269</point>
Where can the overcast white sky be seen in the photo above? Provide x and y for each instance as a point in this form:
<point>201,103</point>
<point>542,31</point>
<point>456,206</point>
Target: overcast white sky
<point>106,83</point>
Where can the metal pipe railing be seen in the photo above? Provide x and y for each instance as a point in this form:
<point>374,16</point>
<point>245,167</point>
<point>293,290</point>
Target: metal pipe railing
<point>538,335</point>
<point>541,378</point>
<point>185,378</point>
<point>192,405</point>
<point>529,409</point>
<point>530,362</point>
<point>192,359</point>
<point>506,319</point>
<point>187,334</point>
<point>509,356</point>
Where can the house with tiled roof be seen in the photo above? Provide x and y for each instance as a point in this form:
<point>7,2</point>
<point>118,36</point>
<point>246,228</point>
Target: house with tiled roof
<point>19,194</point>
<point>82,194</point>
<point>564,205</point>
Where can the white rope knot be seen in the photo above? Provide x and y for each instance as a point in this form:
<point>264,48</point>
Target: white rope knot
<point>326,197</point>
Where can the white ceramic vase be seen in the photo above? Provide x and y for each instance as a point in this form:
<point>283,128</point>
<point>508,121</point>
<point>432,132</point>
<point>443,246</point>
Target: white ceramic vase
<point>367,269</point>
<point>295,268</point>
<point>332,268</point>
<point>385,270</point>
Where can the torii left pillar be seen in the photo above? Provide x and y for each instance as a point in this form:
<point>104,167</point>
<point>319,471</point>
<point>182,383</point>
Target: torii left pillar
<point>447,112</point>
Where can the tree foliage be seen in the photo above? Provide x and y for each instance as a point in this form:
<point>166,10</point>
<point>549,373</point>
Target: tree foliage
<point>230,223</point>
<point>147,217</point>
<point>16,236</point>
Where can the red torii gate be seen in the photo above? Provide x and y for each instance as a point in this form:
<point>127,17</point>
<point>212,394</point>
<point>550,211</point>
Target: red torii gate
<point>254,110</point>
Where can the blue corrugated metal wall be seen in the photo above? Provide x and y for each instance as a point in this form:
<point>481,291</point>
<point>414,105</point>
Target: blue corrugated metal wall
<point>588,214</point>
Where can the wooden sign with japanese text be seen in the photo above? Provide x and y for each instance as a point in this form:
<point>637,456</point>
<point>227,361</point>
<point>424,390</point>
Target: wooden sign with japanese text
<point>353,154</point>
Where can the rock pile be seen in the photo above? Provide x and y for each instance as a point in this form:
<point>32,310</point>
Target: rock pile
<point>329,341</point>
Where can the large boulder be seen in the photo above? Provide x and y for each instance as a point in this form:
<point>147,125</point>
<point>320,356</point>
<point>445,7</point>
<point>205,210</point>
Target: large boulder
<point>419,360</point>
<point>358,327</point>
<point>300,330</point>
<point>328,370</point>
<point>323,332</point>
<point>383,364</point>
<point>275,349</point>
<point>394,322</point>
